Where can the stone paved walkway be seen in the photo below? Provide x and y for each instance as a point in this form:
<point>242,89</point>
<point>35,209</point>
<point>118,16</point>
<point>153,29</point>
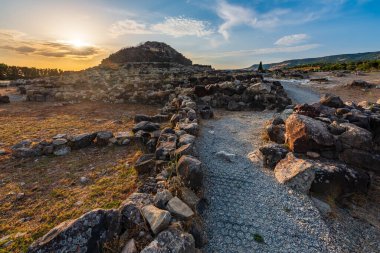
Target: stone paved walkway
<point>245,202</point>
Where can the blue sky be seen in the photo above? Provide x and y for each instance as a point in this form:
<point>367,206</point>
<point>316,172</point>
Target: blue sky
<point>224,33</point>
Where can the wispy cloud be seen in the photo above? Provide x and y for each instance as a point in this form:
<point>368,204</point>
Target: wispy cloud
<point>293,39</point>
<point>19,42</point>
<point>181,26</point>
<point>235,15</point>
<point>259,51</point>
<point>128,26</point>
<point>173,26</point>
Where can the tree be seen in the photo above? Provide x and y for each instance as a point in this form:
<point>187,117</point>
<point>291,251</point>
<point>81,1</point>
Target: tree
<point>260,68</point>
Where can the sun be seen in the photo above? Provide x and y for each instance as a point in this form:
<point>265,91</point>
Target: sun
<point>77,43</point>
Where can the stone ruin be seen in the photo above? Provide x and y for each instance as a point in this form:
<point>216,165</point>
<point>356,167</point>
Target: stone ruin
<point>329,148</point>
<point>163,216</point>
<point>153,73</point>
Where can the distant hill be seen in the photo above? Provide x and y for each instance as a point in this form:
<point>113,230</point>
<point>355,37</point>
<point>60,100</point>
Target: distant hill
<point>326,59</point>
<point>150,51</point>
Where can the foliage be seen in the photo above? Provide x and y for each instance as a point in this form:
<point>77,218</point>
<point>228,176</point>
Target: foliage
<point>258,238</point>
<point>15,72</point>
<point>370,65</point>
<point>260,68</point>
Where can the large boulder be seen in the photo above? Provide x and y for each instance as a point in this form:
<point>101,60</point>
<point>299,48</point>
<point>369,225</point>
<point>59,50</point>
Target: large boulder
<point>189,168</point>
<point>361,159</point>
<point>158,219</point>
<point>331,101</point>
<point>324,178</point>
<point>307,134</point>
<point>173,241</point>
<point>85,234</point>
<point>355,137</point>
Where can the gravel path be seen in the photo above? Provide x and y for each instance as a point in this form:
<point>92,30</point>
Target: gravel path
<point>245,201</point>
<point>299,94</point>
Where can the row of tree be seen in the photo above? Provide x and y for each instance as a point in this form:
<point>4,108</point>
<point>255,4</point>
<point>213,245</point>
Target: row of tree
<point>15,72</point>
<point>370,65</point>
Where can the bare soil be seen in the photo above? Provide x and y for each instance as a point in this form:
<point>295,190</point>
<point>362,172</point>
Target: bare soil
<point>338,86</point>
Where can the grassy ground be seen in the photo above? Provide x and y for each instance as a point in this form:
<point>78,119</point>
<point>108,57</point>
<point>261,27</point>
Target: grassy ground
<point>37,194</point>
<point>23,120</point>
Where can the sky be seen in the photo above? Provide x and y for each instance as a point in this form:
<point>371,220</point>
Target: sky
<point>77,34</point>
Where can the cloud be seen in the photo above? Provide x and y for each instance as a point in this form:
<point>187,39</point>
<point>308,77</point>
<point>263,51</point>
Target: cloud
<point>173,26</point>
<point>181,26</point>
<point>259,51</point>
<point>20,43</point>
<point>235,15</point>
<point>293,39</point>
<point>128,26</point>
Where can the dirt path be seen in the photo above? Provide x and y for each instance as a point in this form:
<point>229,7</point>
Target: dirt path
<point>298,94</point>
<point>246,204</point>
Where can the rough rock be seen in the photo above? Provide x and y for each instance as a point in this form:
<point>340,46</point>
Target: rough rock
<point>179,209</point>
<point>225,155</point>
<point>162,198</point>
<point>187,149</point>
<point>82,140</point>
<point>146,126</point>
<point>356,137</point>
<point>323,207</point>
<point>130,210</point>
<point>130,247</point>
<point>145,164</point>
<point>189,168</point>
<point>4,100</point>
<point>85,234</point>
<point>189,197</point>
<point>62,150</point>
<point>103,137</point>
<point>272,154</point>
<point>361,159</point>
<point>276,133</point>
<point>206,112</point>
<point>186,139</point>
<point>158,219</point>
<point>307,134</point>
<point>325,178</point>
<point>191,128</point>
<point>331,101</point>
<point>173,241</point>
<point>166,145</point>
<point>122,138</point>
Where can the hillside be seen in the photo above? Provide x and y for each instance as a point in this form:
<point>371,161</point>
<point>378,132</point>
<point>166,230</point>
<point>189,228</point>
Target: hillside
<point>150,51</point>
<point>326,59</point>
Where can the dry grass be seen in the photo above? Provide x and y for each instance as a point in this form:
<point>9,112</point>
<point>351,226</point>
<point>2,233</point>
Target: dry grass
<point>37,194</point>
<point>23,120</point>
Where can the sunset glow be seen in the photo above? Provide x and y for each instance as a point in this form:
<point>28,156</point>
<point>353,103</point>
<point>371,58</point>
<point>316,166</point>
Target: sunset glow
<point>224,33</point>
